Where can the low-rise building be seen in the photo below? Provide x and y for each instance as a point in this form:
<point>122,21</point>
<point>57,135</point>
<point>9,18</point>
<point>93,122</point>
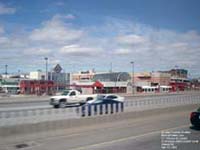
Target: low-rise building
<point>9,85</point>
<point>37,87</point>
<point>83,75</point>
<point>60,79</point>
<point>106,82</point>
<point>179,79</point>
<point>114,82</point>
<point>151,82</point>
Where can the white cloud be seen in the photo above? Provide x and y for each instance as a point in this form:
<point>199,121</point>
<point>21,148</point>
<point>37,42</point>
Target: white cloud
<point>6,10</point>
<point>77,50</point>
<point>1,30</point>
<point>4,40</point>
<point>115,41</point>
<point>60,3</point>
<point>131,39</point>
<point>122,51</point>
<point>69,16</point>
<point>56,31</point>
<point>37,51</point>
<point>54,61</point>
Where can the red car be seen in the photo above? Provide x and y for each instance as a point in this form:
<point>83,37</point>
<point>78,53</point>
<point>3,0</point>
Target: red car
<point>195,118</point>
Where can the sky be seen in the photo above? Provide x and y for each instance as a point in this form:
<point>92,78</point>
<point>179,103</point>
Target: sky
<point>93,34</point>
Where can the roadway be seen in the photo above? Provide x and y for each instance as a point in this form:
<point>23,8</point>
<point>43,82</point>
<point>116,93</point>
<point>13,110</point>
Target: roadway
<point>31,103</point>
<point>136,134</point>
<point>26,113</point>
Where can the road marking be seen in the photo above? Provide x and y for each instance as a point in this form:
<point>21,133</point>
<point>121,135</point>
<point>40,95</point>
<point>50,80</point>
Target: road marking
<point>126,138</point>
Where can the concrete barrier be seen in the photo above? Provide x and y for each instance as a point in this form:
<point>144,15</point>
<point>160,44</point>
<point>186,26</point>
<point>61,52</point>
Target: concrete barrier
<point>85,121</point>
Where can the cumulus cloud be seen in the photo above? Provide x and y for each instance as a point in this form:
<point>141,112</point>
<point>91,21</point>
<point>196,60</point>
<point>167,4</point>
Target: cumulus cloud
<point>1,30</point>
<point>122,52</point>
<point>60,3</point>
<point>69,16</point>
<point>6,10</point>
<point>131,39</point>
<point>56,31</point>
<point>116,41</point>
<point>77,50</point>
<point>37,51</point>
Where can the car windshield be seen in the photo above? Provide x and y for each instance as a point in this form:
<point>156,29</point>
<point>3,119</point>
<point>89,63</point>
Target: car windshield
<point>65,93</point>
<point>100,96</point>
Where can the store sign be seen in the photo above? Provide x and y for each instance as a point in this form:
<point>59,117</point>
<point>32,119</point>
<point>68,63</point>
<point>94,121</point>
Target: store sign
<point>57,68</point>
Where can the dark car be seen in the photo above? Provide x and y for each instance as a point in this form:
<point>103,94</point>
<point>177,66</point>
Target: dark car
<point>102,106</point>
<point>195,118</point>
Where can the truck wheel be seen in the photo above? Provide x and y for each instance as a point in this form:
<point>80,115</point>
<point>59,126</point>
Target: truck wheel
<point>62,104</point>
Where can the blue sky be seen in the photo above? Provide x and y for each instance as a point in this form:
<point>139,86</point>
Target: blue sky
<point>86,34</point>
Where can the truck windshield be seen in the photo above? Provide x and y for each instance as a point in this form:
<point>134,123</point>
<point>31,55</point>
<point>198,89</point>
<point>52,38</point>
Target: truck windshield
<point>65,93</point>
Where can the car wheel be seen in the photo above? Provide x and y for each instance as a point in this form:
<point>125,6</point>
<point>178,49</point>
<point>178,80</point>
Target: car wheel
<point>62,104</point>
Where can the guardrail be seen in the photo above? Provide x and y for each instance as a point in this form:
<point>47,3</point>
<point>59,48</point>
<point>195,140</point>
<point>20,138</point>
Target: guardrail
<point>10,118</point>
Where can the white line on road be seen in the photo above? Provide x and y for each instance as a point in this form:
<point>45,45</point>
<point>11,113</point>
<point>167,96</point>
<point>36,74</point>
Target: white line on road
<point>126,138</point>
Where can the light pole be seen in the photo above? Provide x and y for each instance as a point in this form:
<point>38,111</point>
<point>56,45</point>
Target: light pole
<point>46,59</point>
<point>132,77</point>
<point>6,70</point>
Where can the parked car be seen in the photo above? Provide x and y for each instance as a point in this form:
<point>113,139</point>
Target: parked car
<point>70,97</point>
<point>105,106</point>
<point>195,118</point>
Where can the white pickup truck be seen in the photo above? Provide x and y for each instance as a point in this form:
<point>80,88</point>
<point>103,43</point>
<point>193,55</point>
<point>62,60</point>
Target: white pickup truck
<point>70,97</point>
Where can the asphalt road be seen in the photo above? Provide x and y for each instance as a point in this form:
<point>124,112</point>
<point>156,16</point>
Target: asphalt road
<point>136,134</point>
<point>43,103</point>
<point>25,114</point>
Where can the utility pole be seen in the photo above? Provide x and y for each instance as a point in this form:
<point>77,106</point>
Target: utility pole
<point>47,89</point>
<point>46,60</point>
<point>111,67</point>
<point>132,77</point>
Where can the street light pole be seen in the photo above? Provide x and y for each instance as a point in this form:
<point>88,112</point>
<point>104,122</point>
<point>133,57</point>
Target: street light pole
<point>132,77</point>
<point>46,59</point>
<point>6,70</point>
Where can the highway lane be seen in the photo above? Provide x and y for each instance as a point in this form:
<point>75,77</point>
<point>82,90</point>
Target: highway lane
<point>136,134</point>
<point>151,141</point>
<point>40,103</point>
<point>27,115</point>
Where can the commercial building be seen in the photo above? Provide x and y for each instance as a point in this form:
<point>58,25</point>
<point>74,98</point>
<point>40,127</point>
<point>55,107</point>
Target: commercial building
<point>142,79</point>
<point>113,82</point>
<point>83,76</point>
<point>151,82</point>
<point>179,79</point>
<point>106,82</point>
<point>37,87</point>
<point>60,79</point>
<point>9,85</point>
<point>160,79</point>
